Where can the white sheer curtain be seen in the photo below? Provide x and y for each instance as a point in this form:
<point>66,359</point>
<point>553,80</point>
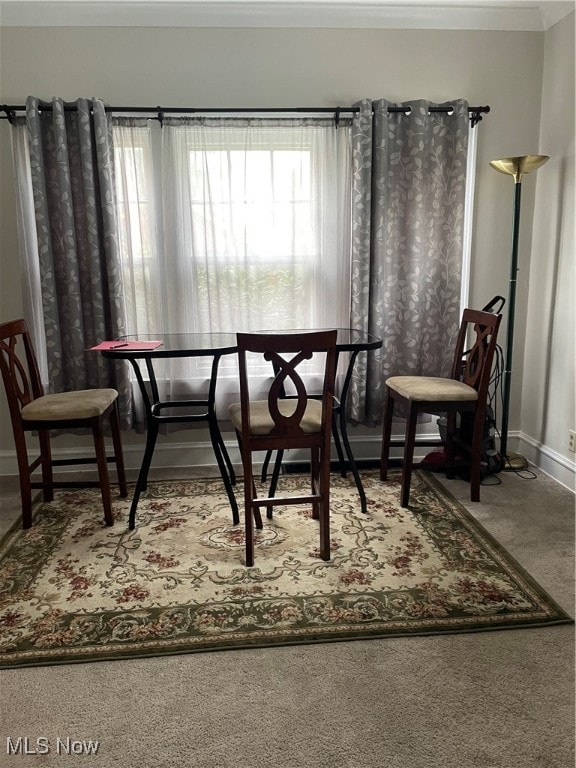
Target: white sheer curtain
<point>232,224</point>
<point>28,245</point>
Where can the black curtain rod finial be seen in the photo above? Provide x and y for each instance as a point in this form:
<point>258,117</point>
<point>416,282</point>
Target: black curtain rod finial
<point>10,113</point>
<point>477,113</point>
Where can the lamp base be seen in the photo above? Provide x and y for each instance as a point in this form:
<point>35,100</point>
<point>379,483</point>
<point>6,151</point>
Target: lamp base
<point>514,462</point>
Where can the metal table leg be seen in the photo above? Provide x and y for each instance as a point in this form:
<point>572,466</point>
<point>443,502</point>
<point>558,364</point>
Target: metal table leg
<point>344,432</point>
<point>154,418</point>
<point>142,482</point>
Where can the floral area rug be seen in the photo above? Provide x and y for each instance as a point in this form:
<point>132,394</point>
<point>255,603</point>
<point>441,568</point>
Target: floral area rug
<point>72,589</point>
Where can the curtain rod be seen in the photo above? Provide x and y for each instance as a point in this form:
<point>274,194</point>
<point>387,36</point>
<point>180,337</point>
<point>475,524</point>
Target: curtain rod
<point>158,113</point>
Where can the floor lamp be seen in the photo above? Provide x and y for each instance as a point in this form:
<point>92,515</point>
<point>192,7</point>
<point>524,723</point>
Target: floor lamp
<point>516,167</point>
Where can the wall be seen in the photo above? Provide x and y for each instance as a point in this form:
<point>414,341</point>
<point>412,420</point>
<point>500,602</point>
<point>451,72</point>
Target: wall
<point>301,67</point>
<point>548,392</point>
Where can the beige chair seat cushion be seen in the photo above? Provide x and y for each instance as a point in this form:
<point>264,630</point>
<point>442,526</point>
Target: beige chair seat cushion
<point>261,422</point>
<point>81,404</point>
<point>431,388</point>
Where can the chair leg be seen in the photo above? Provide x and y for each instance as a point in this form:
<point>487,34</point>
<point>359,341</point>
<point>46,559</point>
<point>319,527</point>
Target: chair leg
<point>386,435</point>
<point>265,464</point>
<point>256,513</point>
<point>450,431</point>
<point>46,456</point>
<point>476,459</point>
<point>25,482</point>
<point>324,512</point>
<point>103,476</point>
<point>256,510</point>
<point>274,481</point>
<point>249,494</point>
<point>408,455</point>
<point>338,443</point>
<point>118,453</point>
<point>315,480</point>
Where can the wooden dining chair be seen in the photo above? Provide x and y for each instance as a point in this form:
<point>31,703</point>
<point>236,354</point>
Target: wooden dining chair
<point>277,423</point>
<point>32,410</point>
<point>465,392</point>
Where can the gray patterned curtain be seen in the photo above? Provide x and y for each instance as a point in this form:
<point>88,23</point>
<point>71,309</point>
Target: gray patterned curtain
<point>409,189</point>
<point>71,160</point>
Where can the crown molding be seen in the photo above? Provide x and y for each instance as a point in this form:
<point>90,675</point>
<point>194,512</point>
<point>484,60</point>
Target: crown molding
<point>512,15</point>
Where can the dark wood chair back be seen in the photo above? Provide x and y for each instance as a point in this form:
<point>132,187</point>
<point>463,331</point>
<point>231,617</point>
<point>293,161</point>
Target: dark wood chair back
<point>275,348</point>
<point>19,367</point>
<point>473,364</point>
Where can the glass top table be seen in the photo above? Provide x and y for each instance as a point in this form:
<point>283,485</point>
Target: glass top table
<point>207,344</point>
<point>216,345</point>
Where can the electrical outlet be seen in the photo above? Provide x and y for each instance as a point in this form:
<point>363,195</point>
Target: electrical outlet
<point>572,440</point>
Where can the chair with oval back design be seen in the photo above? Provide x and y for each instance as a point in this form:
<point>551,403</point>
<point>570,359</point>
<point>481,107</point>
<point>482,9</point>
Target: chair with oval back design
<point>277,423</point>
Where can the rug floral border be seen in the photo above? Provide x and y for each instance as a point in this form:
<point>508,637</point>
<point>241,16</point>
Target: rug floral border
<point>139,633</point>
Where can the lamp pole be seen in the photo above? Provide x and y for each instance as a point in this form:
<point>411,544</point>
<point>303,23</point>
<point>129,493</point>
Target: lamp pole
<point>516,167</point>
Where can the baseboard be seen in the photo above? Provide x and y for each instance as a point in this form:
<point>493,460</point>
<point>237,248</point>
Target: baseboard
<point>551,462</point>
<point>366,449</point>
<point>166,456</point>
<point>199,453</point>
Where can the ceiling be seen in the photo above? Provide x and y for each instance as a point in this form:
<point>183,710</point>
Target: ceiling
<point>519,15</point>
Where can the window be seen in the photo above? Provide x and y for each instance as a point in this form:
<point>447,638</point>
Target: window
<point>137,229</point>
<point>231,224</point>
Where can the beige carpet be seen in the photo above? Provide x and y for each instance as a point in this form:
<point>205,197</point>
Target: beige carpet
<point>484,700</point>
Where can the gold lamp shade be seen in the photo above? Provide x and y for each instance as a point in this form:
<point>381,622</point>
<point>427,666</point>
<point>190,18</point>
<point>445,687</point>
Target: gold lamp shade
<point>519,166</point>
